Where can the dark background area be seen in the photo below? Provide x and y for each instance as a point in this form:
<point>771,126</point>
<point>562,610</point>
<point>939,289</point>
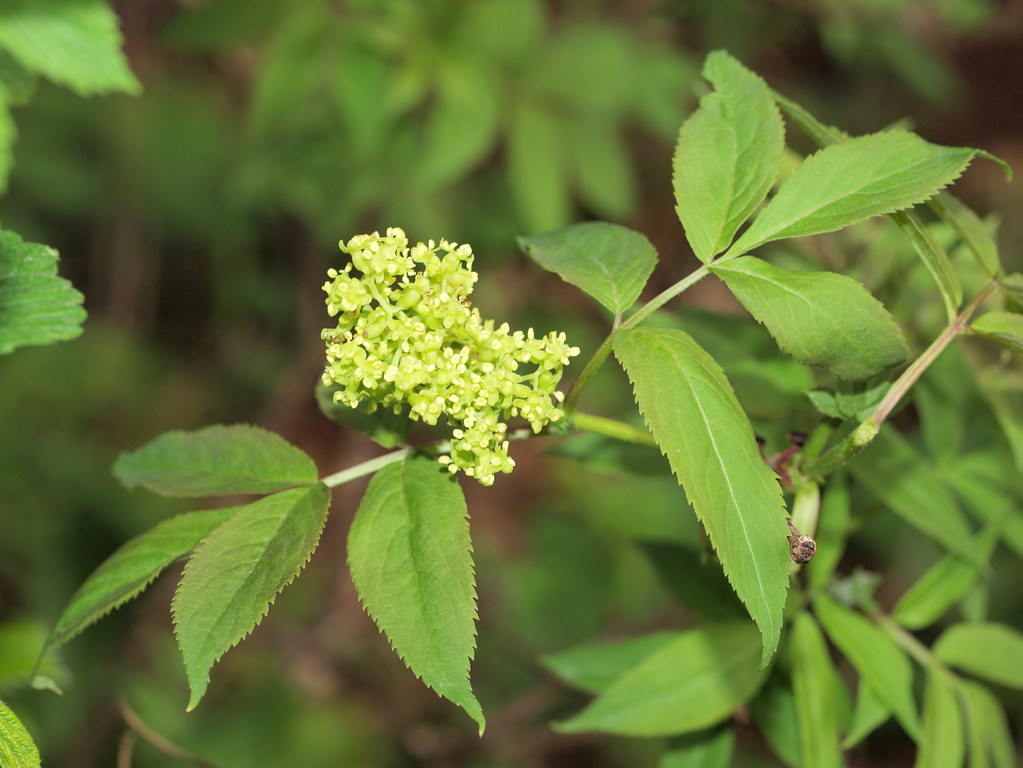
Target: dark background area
<point>199,219</point>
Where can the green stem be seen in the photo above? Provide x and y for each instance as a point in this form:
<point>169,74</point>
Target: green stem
<point>589,369</point>
<point>861,437</point>
<point>909,643</point>
<point>666,295</point>
<point>365,468</point>
<point>612,428</point>
<point>598,358</point>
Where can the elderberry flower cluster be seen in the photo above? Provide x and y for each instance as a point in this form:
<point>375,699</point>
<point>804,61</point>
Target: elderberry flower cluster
<point>407,335</point>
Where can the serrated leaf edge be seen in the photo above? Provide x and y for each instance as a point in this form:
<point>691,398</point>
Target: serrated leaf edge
<point>58,639</point>
<point>780,234</point>
<point>208,429</point>
<point>776,635</point>
<point>193,698</point>
<point>784,346</point>
<point>433,641</point>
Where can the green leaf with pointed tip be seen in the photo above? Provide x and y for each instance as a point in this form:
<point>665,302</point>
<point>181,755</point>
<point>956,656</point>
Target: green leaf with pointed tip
<point>773,712</point>
<point>975,233</point>
<point>411,560</point>
<point>991,742</point>
<point>608,262</point>
<point>693,682</point>
<point>894,471</point>
<point>941,744</point>
<point>692,412</point>
<point>36,306</point>
<point>727,157</point>
<point>17,750</point>
<point>217,460</point>
<point>593,667</point>
<point>236,572</point>
<point>536,163</point>
<point>988,650</point>
<point>20,660</point>
<point>983,482</point>
<point>460,127</point>
<point>1007,327</point>
<point>820,318</point>
<point>934,258</point>
<point>689,575</point>
<point>824,135</point>
<point>705,749</point>
<point>603,169</point>
<point>75,43</point>
<point>1013,286</point>
<point>881,663</point>
<point>814,684</point>
<point>844,183</point>
<point>945,583</point>
<point>869,714</point>
<point>132,568</point>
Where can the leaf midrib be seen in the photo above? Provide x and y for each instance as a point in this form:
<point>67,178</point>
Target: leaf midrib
<point>724,472</point>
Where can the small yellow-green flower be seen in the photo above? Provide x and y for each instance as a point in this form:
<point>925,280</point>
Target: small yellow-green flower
<point>407,335</point>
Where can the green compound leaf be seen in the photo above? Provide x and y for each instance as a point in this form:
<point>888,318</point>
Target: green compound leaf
<point>869,714</point>
<point>852,181</point>
<point>693,682</point>
<point>945,583</point>
<point>990,741</point>
<point>706,749</point>
<point>728,156</point>
<point>460,127</point>
<point>132,568</point>
<point>698,583</point>
<point>942,744</point>
<point>934,258</point>
<point>603,170</point>
<point>819,318</point>
<point>822,134</point>
<point>894,471</point>
<point>236,572</point>
<point>699,425</point>
<point>773,712</point>
<point>608,262</point>
<point>17,750</point>
<point>216,460</point>
<point>880,662</point>
<point>1007,327</point>
<point>537,166</point>
<point>975,233</point>
<point>75,43</point>
<point>988,650</point>
<point>36,306</point>
<point>411,560</point>
<point>593,667</point>
<point>814,684</point>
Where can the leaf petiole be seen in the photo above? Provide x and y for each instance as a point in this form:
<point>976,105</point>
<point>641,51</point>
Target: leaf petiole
<point>598,357</point>
<point>859,438</point>
<point>365,468</point>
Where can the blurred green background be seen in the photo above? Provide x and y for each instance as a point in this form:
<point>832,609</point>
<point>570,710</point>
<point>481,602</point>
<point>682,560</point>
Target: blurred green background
<point>199,217</point>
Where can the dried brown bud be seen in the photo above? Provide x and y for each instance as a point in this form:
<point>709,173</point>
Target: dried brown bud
<point>803,549</point>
